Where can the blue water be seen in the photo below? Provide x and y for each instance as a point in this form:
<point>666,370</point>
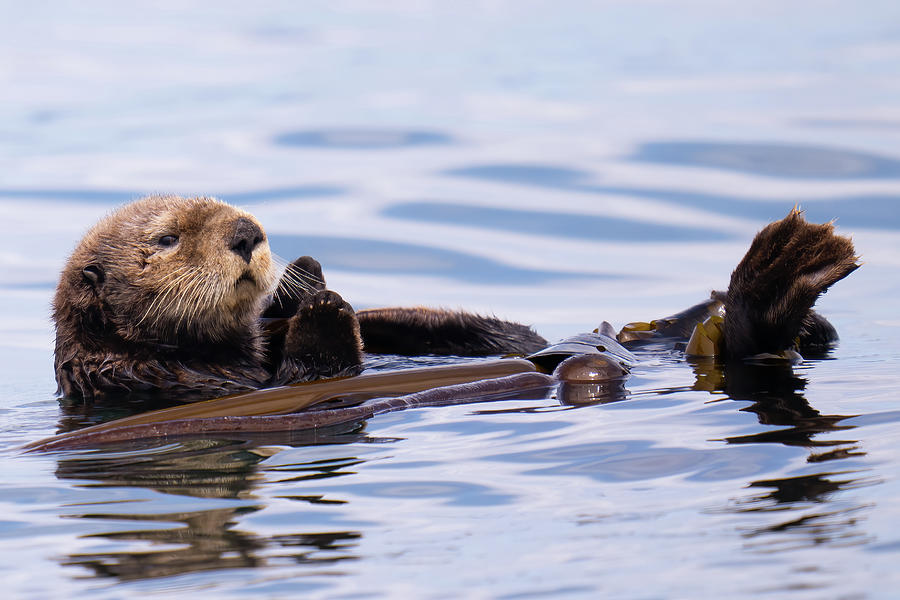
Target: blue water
<point>558,164</point>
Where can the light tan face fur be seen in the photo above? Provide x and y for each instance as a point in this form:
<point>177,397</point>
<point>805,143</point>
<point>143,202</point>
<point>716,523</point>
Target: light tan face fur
<point>168,269</point>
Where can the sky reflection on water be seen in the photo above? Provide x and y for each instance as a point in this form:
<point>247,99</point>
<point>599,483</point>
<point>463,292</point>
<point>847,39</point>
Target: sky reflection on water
<point>375,256</point>
<point>557,164</point>
<point>591,227</point>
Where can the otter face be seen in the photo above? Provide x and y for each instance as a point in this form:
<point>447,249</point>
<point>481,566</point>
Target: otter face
<point>172,270</point>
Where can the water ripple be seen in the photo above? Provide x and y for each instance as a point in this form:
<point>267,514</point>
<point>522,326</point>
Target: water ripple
<point>458,493</point>
<point>636,460</point>
<point>872,211</point>
<point>375,256</point>
<point>771,159</point>
<point>362,139</point>
<point>876,211</point>
<point>122,196</point>
<point>531,174</point>
<point>566,225</point>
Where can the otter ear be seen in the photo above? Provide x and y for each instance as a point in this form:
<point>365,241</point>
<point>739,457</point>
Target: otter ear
<point>93,275</point>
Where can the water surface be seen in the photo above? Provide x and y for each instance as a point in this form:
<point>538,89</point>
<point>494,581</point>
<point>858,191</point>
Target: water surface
<point>556,164</point>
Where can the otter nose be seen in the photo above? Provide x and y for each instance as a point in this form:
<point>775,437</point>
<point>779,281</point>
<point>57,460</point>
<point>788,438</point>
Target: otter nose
<point>247,236</point>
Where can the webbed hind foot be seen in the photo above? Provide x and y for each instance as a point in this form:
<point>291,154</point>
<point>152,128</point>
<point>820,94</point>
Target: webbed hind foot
<point>789,265</point>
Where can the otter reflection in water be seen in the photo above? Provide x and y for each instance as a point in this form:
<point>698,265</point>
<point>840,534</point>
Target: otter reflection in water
<point>187,542</point>
<point>801,510</point>
<point>167,544</point>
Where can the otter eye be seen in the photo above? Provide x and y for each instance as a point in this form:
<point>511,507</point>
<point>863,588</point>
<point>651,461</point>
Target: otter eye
<point>168,240</point>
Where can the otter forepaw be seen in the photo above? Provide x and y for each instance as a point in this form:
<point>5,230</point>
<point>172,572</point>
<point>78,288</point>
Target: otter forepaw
<point>302,279</point>
<point>323,338</point>
<point>789,265</point>
<point>325,309</point>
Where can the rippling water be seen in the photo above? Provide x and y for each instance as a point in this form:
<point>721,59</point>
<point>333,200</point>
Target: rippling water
<point>556,164</point>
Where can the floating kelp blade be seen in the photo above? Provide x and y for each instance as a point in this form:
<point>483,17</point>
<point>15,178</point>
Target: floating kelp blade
<point>679,325</point>
<point>482,390</point>
<point>294,398</point>
<point>707,338</point>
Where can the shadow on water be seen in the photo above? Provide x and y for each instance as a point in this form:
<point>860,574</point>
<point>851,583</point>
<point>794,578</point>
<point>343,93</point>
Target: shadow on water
<point>871,211</point>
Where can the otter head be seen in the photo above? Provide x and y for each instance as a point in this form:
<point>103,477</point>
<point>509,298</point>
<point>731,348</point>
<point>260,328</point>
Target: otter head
<point>166,271</point>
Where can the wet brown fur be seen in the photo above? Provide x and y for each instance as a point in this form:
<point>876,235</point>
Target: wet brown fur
<point>417,331</point>
<point>134,314</point>
<point>420,330</point>
<point>768,305</point>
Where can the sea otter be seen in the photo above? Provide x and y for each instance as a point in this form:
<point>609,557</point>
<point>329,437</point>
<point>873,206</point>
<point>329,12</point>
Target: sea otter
<point>182,296</point>
<point>166,294</point>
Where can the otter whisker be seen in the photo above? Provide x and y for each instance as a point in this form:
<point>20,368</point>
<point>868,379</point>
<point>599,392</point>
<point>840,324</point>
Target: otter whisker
<point>296,286</point>
<point>205,294</point>
<point>189,297</point>
<point>288,293</point>
<point>172,290</point>
<point>304,275</point>
<point>296,274</point>
<point>175,304</point>
<point>179,276</point>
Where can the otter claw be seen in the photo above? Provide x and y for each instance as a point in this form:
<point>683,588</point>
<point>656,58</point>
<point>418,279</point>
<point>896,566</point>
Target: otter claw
<point>327,299</point>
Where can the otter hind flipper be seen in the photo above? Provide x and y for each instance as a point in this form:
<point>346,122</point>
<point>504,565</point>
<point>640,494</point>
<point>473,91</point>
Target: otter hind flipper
<point>790,263</point>
<point>417,331</point>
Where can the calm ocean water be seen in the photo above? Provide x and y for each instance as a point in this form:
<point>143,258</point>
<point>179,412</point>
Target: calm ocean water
<point>554,163</point>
